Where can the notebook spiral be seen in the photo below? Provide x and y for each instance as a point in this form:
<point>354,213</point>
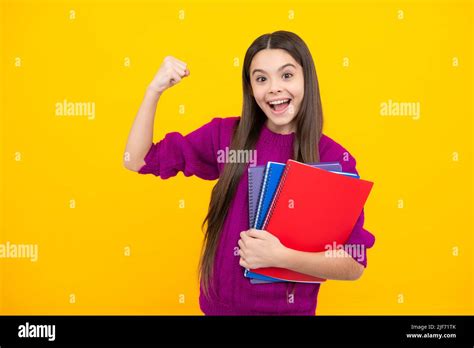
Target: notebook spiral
<point>251,215</point>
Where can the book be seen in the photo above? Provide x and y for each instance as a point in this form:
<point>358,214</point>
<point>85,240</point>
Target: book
<point>265,279</point>
<point>261,183</point>
<point>326,206</point>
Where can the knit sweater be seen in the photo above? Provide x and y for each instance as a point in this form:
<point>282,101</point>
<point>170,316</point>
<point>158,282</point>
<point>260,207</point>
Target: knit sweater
<point>197,154</point>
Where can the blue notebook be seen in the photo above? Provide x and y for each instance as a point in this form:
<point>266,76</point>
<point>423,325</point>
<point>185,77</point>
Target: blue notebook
<point>263,183</point>
<point>271,179</point>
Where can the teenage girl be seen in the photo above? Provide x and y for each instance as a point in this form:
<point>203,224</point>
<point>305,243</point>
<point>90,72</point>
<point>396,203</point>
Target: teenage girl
<point>281,119</point>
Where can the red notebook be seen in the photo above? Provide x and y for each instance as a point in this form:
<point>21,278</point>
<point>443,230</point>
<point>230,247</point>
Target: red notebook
<point>313,208</point>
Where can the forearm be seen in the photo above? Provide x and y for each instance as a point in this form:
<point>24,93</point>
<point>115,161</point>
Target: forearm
<point>320,265</point>
<point>140,138</point>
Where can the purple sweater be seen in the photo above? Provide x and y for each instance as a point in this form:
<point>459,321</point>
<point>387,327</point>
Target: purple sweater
<point>197,154</point>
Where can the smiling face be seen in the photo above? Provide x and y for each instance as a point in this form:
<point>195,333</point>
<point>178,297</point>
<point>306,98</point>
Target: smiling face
<point>277,83</point>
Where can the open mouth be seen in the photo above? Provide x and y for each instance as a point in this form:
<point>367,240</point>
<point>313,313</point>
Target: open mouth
<point>279,106</point>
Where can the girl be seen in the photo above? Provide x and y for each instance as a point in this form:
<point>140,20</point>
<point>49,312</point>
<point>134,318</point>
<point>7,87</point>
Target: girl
<point>281,119</point>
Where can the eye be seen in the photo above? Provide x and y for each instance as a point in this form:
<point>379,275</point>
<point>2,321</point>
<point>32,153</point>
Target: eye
<point>288,74</point>
<point>260,77</point>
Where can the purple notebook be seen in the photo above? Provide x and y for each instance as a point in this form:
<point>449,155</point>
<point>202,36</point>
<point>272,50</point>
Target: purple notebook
<point>256,176</point>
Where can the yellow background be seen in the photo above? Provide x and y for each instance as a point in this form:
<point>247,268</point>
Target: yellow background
<point>400,56</point>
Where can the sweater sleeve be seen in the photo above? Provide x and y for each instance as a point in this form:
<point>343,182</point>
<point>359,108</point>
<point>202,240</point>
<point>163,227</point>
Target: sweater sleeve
<point>360,239</point>
<point>192,154</point>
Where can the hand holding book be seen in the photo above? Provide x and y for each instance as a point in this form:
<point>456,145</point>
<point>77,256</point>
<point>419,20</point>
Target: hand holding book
<point>259,248</point>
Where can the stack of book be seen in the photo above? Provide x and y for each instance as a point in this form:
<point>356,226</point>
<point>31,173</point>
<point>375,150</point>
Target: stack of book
<point>308,207</point>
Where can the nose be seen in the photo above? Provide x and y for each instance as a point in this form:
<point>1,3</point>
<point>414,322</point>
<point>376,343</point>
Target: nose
<point>275,87</point>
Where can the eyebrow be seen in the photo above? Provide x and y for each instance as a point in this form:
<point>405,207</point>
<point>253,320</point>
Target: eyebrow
<point>280,68</point>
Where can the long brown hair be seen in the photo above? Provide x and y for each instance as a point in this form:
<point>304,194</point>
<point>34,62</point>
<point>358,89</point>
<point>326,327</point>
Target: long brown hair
<point>308,122</point>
